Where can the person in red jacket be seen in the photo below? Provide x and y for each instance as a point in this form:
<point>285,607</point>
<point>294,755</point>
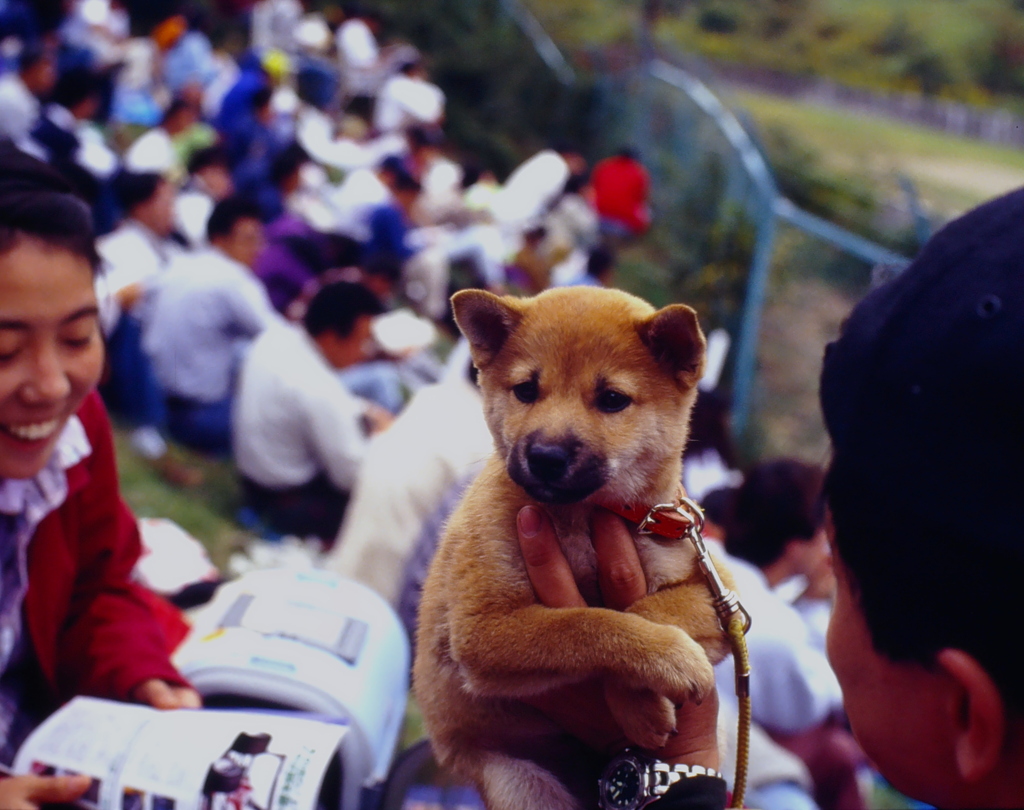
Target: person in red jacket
<point>71,622</point>
<point>621,188</point>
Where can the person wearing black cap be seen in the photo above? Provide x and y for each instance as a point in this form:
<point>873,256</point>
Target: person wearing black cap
<point>922,395</point>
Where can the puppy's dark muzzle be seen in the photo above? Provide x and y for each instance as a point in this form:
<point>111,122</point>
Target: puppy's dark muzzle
<point>556,471</point>
<point>548,463</point>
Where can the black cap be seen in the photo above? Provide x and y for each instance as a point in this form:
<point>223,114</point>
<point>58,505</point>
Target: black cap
<point>923,392</point>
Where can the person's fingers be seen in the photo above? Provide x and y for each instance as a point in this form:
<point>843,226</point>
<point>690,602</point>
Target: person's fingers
<point>153,692</point>
<point>618,564</point>
<point>56,789</point>
<point>580,709</point>
<point>546,565</point>
<point>187,698</point>
<point>696,742</point>
<point>157,694</point>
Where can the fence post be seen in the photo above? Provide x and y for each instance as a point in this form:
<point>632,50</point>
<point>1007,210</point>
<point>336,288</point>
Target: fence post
<point>750,327</point>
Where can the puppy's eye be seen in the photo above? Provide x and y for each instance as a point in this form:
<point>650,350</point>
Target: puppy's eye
<point>526,392</point>
<point>611,401</point>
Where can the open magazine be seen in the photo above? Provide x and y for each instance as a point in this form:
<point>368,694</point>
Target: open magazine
<point>143,759</point>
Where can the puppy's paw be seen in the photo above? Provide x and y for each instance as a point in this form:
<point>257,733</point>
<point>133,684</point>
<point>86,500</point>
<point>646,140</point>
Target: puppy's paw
<point>675,667</point>
<point>647,719</point>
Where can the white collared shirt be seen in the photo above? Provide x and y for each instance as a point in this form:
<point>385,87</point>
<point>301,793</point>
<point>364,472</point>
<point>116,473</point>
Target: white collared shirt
<point>133,254</point>
<point>19,109</point>
<point>405,102</point>
<point>29,501</point>
<point>293,418</point>
<point>792,685</point>
<point>197,319</point>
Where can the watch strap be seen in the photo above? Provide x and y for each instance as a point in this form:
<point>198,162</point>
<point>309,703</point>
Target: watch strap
<point>665,775</point>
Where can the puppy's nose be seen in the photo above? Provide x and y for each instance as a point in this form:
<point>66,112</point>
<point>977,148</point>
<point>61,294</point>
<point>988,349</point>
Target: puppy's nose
<point>548,462</point>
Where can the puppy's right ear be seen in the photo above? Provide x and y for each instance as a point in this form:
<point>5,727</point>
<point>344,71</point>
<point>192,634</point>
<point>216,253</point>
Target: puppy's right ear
<point>486,320</point>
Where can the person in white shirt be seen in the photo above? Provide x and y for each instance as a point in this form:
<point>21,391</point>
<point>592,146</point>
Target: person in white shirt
<point>776,538</point>
<point>209,182</point>
<point>273,24</point>
<point>359,52</point>
<point>793,688</point>
<point>20,92</point>
<point>154,151</point>
<point>360,193</point>
<point>133,256</point>
<point>199,318</point>
<point>299,435</point>
<point>407,100</point>
<point>535,185</point>
<point>140,248</point>
<point>439,437</point>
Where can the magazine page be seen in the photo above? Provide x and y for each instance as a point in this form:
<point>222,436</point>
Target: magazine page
<point>87,736</point>
<point>226,760</point>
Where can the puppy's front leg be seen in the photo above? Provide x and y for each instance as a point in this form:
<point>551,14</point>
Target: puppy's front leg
<point>535,648</point>
<point>646,717</point>
<point>688,605</point>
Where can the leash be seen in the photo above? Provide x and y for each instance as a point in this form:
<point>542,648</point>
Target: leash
<point>684,519</point>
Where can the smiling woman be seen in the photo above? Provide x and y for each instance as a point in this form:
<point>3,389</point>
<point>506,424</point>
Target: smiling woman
<point>51,352</point>
<point>70,620</point>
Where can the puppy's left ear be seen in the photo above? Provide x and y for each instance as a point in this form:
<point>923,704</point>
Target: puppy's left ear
<point>676,341</point>
<point>486,320</point>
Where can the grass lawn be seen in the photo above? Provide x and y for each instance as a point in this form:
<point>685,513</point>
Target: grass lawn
<point>952,174</point>
<point>207,511</point>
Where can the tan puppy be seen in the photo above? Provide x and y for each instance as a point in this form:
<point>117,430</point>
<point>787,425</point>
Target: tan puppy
<point>588,394</point>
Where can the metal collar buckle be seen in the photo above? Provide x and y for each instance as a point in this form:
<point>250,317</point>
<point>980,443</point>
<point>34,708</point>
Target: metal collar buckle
<point>726,601</point>
<point>690,513</point>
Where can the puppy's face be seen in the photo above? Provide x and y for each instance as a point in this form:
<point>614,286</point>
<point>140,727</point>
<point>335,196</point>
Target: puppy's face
<point>586,390</point>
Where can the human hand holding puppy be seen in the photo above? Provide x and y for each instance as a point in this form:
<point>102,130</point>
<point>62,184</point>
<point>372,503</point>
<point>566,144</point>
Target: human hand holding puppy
<point>581,708</point>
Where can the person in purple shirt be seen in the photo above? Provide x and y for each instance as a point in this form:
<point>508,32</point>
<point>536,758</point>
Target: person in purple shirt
<point>296,253</point>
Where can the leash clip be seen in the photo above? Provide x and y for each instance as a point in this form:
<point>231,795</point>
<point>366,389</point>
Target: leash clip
<point>726,601</point>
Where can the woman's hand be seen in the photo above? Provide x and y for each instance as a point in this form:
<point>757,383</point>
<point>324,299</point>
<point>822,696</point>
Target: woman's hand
<point>161,695</point>
<point>580,708</point>
<point>29,792</point>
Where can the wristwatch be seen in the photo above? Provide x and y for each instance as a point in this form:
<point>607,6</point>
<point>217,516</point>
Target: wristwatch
<point>633,780</point>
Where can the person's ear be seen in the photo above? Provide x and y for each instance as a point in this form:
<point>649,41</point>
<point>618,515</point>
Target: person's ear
<point>977,715</point>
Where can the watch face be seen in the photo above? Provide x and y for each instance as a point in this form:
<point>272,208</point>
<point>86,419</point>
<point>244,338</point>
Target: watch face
<point>622,787</point>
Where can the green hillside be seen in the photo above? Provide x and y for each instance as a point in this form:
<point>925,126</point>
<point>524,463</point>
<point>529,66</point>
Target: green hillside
<point>971,50</point>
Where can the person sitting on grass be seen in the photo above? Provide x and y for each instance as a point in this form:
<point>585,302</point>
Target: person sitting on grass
<point>71,621</point>
<point>300,436</point>
<point>198,320</point>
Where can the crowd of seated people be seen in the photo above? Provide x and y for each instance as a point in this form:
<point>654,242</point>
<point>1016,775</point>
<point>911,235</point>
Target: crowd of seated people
<point>227,191</point>
<point>270,214</point>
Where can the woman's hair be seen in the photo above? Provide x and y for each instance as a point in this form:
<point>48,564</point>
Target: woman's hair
<point>37,202</point>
